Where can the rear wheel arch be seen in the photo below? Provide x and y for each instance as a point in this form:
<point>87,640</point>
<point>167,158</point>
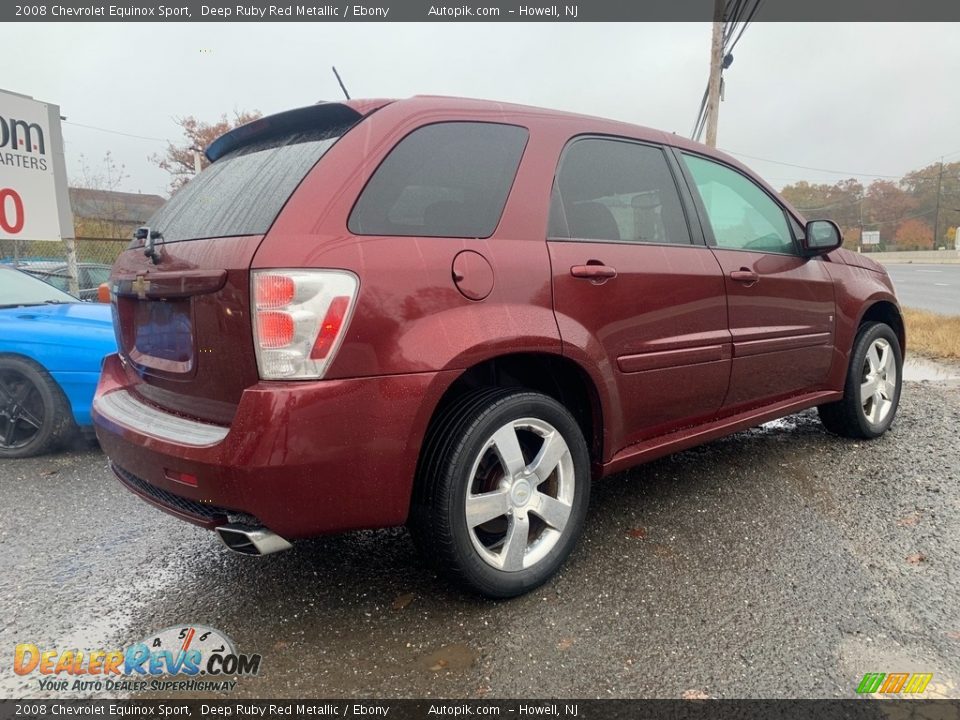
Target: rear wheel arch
<point>555,376</point>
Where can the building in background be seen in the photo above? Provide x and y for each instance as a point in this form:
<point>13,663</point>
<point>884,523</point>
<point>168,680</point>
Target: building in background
<point>110,214</point>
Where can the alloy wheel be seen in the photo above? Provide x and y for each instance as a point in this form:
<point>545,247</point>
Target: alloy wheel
<point>21,410</point>
<point>520,494</point>
<point>878,383</point>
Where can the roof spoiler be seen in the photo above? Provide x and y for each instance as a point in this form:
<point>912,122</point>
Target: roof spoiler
<point>312,117</point>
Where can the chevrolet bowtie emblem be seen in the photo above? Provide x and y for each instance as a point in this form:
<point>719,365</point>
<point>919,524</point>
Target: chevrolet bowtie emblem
<point>140,286</point>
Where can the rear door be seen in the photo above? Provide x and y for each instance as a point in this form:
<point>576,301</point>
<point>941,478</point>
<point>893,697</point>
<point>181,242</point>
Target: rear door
<point>781,305</point>
<point>183,315</point>
<point>635,289</point>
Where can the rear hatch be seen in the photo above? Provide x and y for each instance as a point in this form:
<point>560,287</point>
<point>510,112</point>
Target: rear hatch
<point>183,316</point>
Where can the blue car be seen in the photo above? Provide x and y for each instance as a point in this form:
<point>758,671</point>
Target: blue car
<point>51,348</point>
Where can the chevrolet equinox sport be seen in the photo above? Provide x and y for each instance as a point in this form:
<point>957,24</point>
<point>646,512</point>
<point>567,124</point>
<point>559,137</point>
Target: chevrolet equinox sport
<point>456,314</point>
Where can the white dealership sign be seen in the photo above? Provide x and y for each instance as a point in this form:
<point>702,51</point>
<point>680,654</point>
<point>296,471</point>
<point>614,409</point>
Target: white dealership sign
<point>34,203</point>
<point>870,237</point>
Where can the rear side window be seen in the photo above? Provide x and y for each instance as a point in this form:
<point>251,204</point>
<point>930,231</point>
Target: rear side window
<point>242,192</point>
<point>444,180</point>
<point>617,191</point>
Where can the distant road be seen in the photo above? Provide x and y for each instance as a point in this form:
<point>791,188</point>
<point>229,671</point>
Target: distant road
<point>928,287</point>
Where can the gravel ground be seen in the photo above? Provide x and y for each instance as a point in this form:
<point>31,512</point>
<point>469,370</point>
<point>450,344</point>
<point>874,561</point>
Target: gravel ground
<point>779,562</point>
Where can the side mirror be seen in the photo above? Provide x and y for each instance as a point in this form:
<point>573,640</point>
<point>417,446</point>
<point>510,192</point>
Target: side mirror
<point>821,236</point>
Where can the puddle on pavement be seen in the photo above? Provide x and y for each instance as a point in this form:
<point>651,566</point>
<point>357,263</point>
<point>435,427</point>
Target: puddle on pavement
<point>919,368</point>
<point>455,657</point>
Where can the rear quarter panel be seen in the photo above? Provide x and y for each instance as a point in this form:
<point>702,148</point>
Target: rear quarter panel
<point>410,317</point>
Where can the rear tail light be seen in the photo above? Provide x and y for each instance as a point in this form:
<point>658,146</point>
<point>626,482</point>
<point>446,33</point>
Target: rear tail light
<point>299,319</point>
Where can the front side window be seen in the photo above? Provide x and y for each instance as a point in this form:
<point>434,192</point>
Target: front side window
<point>616,191</point>
<point>742,215</point>
<point>444,180</point>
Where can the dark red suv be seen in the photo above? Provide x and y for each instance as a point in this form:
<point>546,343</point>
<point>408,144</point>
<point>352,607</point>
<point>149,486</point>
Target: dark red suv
<point>456,314</point>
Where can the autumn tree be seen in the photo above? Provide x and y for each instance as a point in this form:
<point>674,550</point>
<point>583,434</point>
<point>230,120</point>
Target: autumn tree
<point>178,160</point>
<point>923,185</point>
<point>839,202</point>
<point>886,202</point>
<point>102,213</point>
<point>914,234</point>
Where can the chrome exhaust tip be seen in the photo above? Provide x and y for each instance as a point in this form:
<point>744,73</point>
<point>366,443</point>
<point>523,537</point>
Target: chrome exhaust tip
<point>249,540</point>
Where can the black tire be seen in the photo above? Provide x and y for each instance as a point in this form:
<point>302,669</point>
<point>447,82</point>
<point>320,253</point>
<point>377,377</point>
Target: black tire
<point>456,442</point>
<point>34,414</point>
<point>848,417</point>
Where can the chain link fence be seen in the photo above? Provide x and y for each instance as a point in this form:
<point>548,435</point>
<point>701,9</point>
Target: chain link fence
<point>47,259</point>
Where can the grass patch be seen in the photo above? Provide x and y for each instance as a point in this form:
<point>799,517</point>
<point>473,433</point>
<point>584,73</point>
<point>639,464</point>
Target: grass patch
<point>931,334</point>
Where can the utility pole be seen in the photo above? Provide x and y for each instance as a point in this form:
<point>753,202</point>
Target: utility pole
<point>936,213</point>
<point>716,61</point>
<point>197,165</point>
<point>860,245</point>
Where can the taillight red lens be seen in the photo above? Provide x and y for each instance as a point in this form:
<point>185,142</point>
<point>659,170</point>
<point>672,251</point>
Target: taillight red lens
<point>274,291</point>
<point>330,327</point>
<point>274,329</point>
<point>300,319</point>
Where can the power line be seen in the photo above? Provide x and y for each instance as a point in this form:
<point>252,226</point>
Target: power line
<point>116,132</point>
<point>899,220</point>
<point>848,173</point>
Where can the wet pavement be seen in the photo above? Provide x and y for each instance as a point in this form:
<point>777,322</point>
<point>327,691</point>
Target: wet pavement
<point>779,562</point>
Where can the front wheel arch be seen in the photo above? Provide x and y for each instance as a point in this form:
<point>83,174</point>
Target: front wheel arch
<point>886,312</point>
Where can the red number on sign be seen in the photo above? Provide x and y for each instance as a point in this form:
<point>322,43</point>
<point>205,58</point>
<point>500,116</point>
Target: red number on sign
<point>17,225</point>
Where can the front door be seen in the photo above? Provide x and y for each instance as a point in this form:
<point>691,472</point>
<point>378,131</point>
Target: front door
<point>781,305</point>
<point>635,291</point>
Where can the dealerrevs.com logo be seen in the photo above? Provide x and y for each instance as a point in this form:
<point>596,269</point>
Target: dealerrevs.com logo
<point>189,658</point>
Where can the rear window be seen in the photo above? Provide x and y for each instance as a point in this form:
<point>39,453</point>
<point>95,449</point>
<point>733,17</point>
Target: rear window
<point>444,180</point>
<point>242,192</point>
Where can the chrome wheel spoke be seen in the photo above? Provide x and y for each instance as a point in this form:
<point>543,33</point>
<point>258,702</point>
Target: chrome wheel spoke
<point>507,446</point>
<point>873,359</point>
<point>876,411</point>
<point>553,449</point>
<point>487,506</point>
<point>8,433</point>
<point>887,389</point>
<point>515,543</point>
<point>553,512</point>
<point>868,388</point>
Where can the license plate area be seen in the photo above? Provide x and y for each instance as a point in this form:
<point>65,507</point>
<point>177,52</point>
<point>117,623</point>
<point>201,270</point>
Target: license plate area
<point>162,337</point>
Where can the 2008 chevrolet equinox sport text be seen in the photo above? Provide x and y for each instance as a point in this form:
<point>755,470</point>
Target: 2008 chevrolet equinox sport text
<point>455,314</point>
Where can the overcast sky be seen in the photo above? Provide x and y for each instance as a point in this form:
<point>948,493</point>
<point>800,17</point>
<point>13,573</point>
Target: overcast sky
<point>864,99</point>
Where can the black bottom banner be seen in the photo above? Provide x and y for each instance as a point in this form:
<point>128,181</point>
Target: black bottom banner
<point>511,709</point>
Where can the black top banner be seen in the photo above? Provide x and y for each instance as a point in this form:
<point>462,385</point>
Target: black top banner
<point>419,11</point>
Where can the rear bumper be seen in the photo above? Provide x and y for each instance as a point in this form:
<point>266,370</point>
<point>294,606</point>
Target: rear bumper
<point>302,458</point>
